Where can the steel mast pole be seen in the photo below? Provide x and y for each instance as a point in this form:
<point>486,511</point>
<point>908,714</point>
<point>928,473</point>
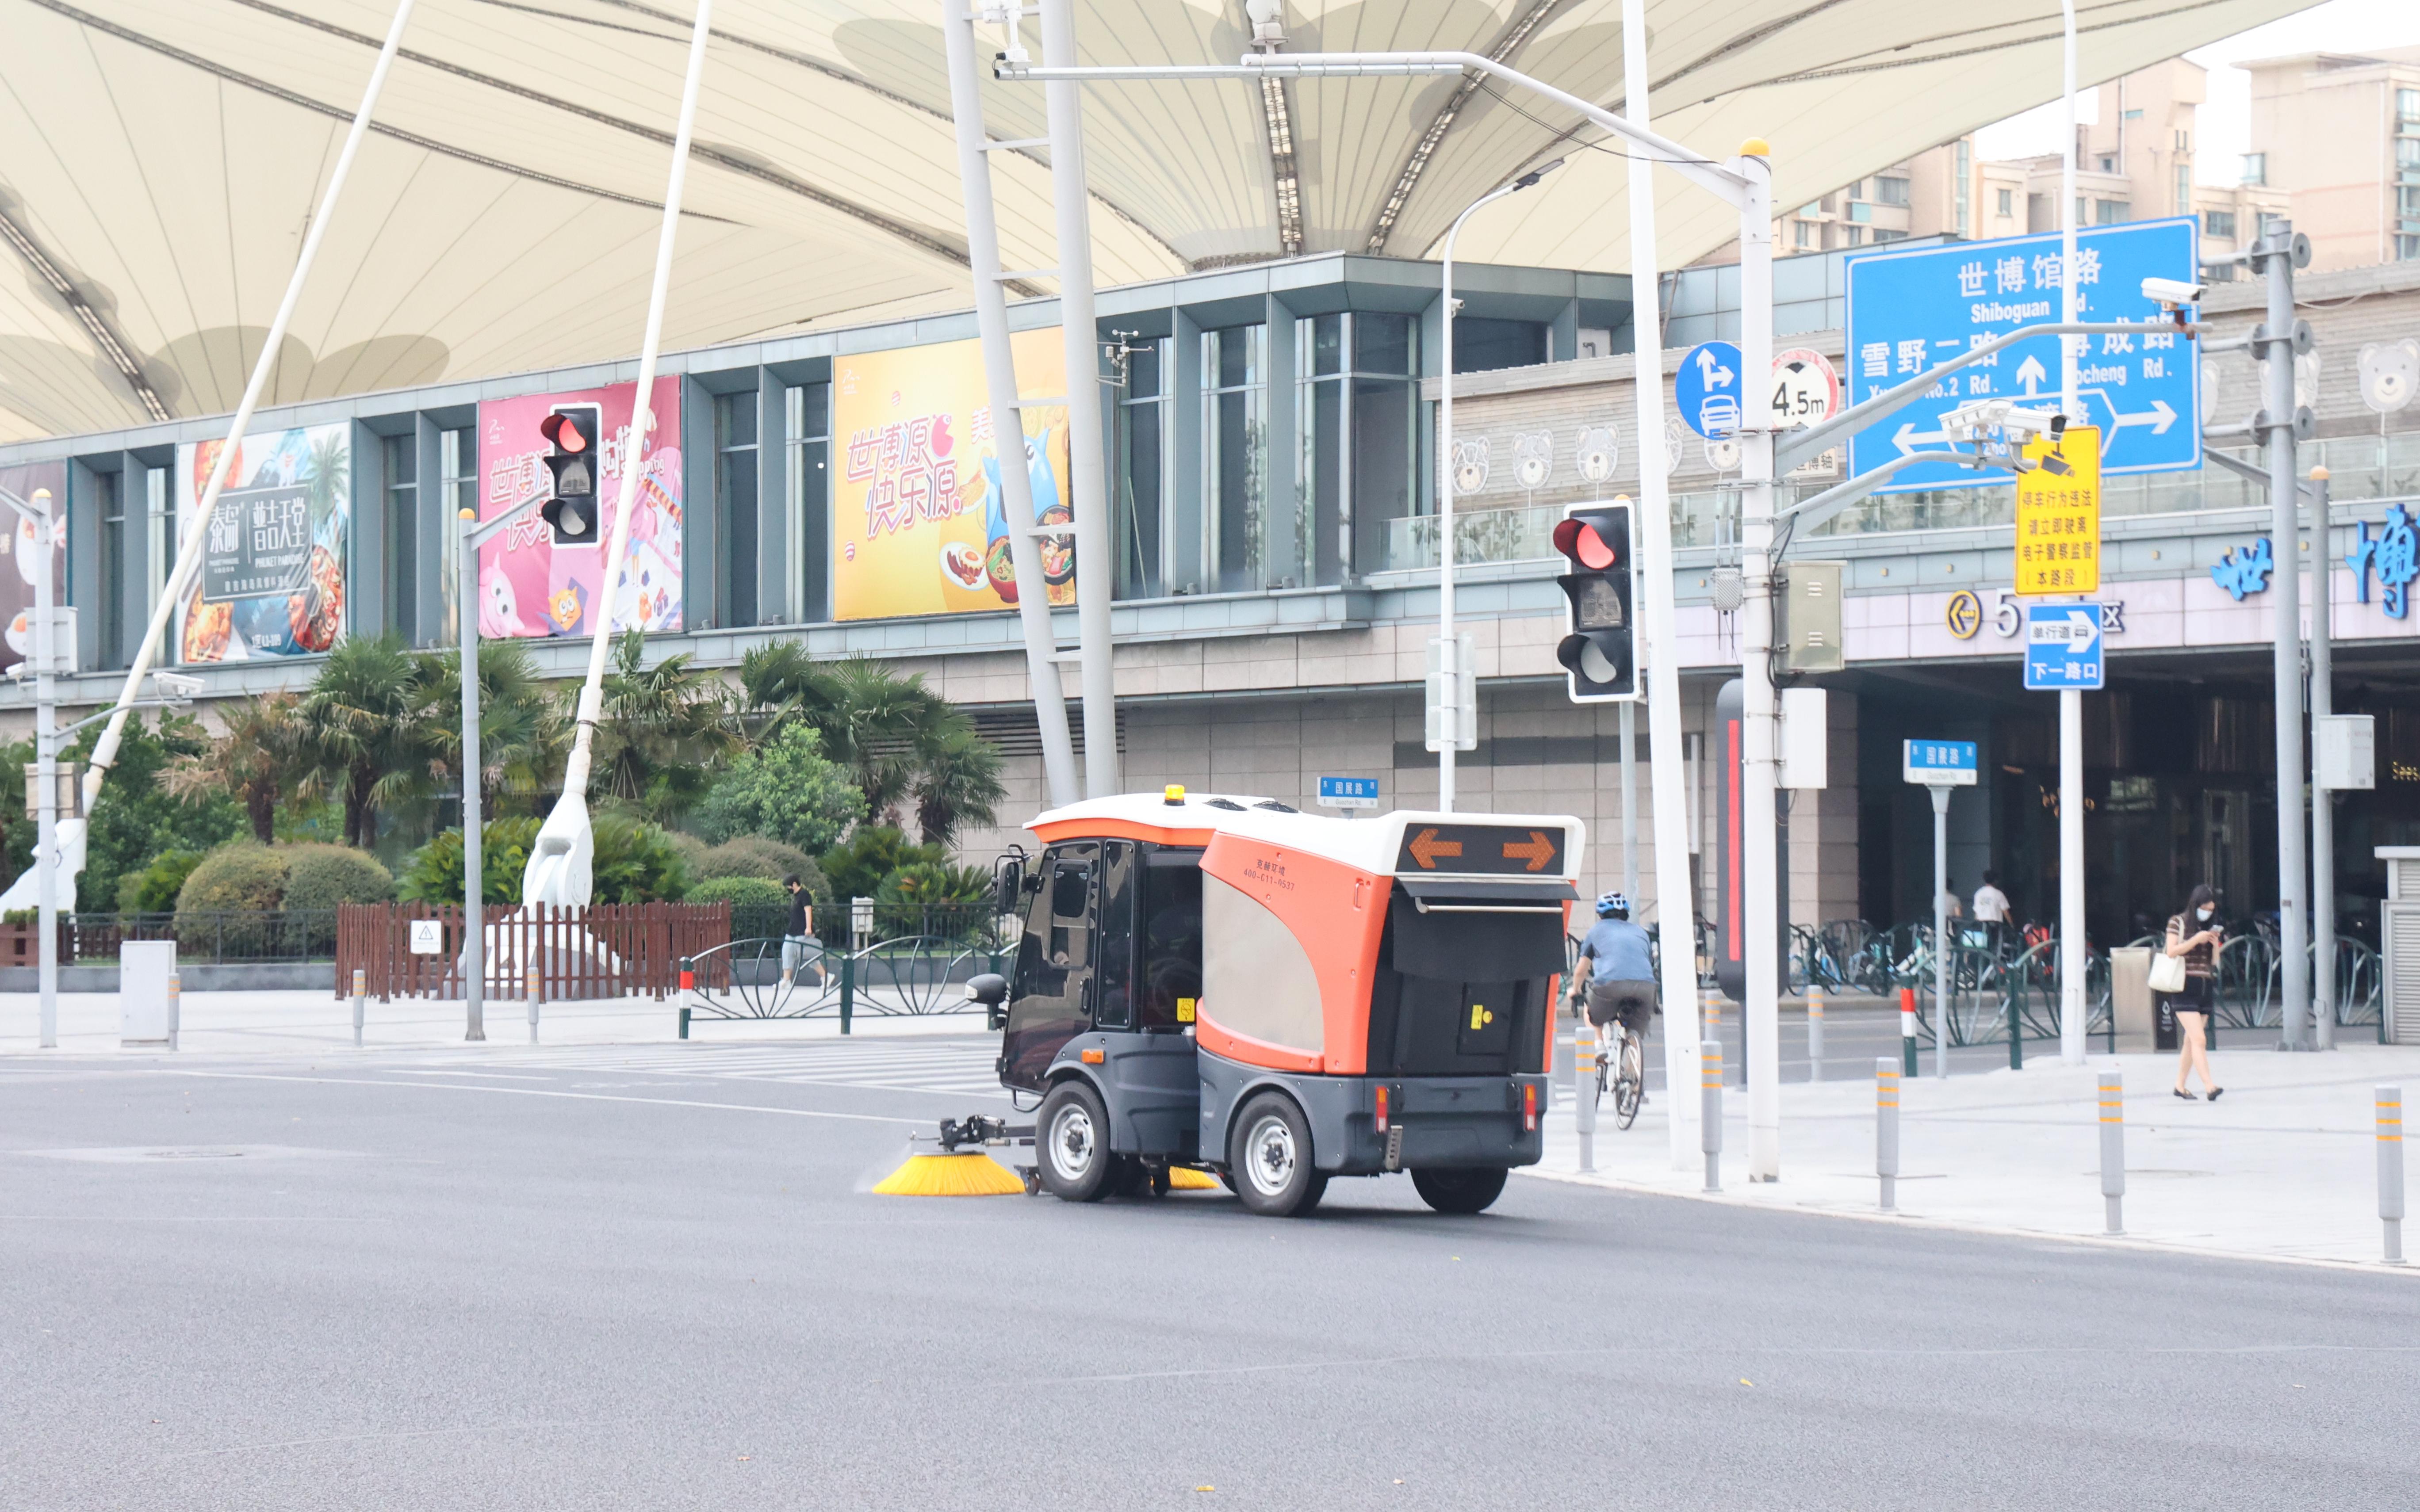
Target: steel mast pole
<point>1449,711</point>
<point>1676,905</point>
<point>475,875</point>
<point>1761,833</point>
<point>2275,253</point>
<point>2074,950</point>
<point>1000,380</point>
<point>1063,100</point>
<point>2324,808</point>
<point>46,773</point>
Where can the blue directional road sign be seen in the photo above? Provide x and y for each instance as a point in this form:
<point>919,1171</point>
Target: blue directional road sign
<point>2064,646</point>
<point>1706,389</point>
<point>1940,763</point>
<point>1911,310</point>
<point>1348,793</point>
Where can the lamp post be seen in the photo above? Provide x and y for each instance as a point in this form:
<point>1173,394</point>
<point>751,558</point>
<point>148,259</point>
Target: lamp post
<point>470,534</point>
<point>1452,719</point>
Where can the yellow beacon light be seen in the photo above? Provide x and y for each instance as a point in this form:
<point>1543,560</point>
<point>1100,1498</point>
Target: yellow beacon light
<point>1174,794</point>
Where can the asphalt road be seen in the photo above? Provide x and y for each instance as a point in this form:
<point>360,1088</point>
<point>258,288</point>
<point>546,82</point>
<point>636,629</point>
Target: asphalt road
<point>613,1281</point>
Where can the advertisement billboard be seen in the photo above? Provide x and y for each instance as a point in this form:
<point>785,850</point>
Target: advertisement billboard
<point>274,564</point>
<point>919,526</point>
<point>529,587</point>
<point>17,537</point>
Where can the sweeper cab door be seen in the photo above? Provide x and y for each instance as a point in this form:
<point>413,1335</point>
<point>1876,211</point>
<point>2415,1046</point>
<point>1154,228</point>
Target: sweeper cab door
<point>1112,942</point>
<point>1051,995</point>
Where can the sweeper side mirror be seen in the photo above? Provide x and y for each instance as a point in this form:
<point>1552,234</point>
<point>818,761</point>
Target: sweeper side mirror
<point>990,989</point>
<point>1008,887</point>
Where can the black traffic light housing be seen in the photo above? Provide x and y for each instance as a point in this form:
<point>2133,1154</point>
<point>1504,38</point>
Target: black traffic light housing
<point>1599,650</point>
<point>572,512</point>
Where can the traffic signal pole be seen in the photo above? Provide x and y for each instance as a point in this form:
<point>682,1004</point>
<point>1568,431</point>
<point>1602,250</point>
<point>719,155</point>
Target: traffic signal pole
<point>1760,838</point>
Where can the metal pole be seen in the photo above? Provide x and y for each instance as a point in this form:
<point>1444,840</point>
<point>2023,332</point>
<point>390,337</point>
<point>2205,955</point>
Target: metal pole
<point>176,1009</point>
<point>2074,948</point>
<point>1079,335</point>
<point>1907,1030</point>
<point>1000,383</point>
<point>361,1004</point>
<point>535,980</point>
<point>1886,1131</point>
<point>2390,1170</point>
<point>475,875</point>
<point>2324,808</point>
<point>1941,930</point>
<point>189,554</point>
<point>2275,251</point>
<point>1710,1111</point>
<point>46,773</point>
<point>1760,1035</point>
<point>2113,1150</point>
<point>1584,1090</point>
<point>1630,805</point>
<point>1814,1031</point>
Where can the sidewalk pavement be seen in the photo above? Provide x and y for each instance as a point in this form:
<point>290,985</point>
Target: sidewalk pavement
<point>287,1021</point>
<point>2283,1168</point>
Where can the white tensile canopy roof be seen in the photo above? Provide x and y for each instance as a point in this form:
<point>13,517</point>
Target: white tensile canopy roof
<point>160,160</point>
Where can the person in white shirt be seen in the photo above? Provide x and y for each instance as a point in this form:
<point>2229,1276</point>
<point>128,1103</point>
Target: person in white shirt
<point>1991,909</point>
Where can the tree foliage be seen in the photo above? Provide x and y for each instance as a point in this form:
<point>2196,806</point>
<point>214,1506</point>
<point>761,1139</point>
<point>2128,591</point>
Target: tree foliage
<point>659,732</point>
<point>264,754</point>
<point>784,790</point>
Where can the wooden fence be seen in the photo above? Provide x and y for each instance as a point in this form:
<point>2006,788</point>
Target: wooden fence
<point>604,950</point>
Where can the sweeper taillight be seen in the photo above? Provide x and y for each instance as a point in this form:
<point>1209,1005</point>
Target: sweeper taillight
<point>1528,1106</point>
<point>1382,1110</point>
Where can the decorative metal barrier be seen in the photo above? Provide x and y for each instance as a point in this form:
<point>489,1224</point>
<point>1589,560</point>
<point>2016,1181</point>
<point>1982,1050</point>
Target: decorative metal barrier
<point>603,951</point>
<point>766,976</point>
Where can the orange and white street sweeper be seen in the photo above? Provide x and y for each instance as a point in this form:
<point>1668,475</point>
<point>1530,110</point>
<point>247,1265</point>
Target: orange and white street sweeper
<point>1228,984</point>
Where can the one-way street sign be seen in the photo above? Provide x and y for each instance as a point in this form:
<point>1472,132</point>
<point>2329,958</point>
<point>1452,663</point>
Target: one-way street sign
<point>2064,647</point>
<point>1911,310</point>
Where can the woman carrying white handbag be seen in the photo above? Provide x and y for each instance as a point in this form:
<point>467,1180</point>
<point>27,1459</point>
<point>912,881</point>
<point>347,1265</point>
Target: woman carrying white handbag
<point>2187,973</point>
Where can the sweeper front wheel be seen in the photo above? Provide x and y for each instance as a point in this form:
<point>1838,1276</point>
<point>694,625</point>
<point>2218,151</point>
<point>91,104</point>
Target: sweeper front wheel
<point>1071,1143</point>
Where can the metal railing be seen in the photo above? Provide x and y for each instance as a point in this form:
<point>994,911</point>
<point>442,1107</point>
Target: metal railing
<point>204,937</point>
<point>766,976</point>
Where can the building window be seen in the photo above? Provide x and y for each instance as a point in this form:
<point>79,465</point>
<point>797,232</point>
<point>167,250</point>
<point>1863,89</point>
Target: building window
<point>2184,189</point>
<point>1140,449</point>
<point>110,487</point>
<point>1883,233</point>
<point>734,488</point>
<point>1890,191</point>
<point>2007,202</point>
<point>806,492</point>
<point>158,540</point>
<point>1856,191</point>
<point>1860,212</point>
<point>1802,234</point>
<point>2108,165</point>
<point>1381,466</point>
<point>1856,234</point>
<point>2255,167</point>
<point>2407,108</point>
<point>2134,116</point>
<point>402,458</point>
<point>1965,174</point>
<point>1234,458</point>
<point>1483,346</point>
<point>457,481</point>
<point>2218,225</point>
<point>2109,212</point>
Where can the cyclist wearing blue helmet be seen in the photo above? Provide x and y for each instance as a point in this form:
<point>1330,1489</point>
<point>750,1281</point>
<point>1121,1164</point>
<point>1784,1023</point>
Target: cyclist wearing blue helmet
<point>1615,969</point>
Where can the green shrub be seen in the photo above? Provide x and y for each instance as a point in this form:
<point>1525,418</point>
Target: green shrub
<point>751,856</point>
<point>244,876</point>
<point>930,898</point>
<point>635,863</point>
<point>322,876</point>
<point>785,790</point>
<point>740,892</point>
<point>434,874</point>
<point>692,851</point>
<point>153,890</point>
<point>859,868</point>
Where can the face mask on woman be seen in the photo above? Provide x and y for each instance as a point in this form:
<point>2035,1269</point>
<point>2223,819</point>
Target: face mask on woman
<point>2204,912</point>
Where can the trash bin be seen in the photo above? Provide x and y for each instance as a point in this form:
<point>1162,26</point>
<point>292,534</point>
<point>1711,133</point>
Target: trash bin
<point>144,967</point>
<point>2136,1005</point>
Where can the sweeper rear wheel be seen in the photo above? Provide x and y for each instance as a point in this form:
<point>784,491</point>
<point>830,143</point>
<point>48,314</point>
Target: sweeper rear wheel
<point>1071,1143</point>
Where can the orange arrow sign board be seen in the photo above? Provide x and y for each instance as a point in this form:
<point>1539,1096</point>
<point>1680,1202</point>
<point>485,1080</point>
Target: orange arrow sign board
<point>1426,848</point>
<point>1537,850</point>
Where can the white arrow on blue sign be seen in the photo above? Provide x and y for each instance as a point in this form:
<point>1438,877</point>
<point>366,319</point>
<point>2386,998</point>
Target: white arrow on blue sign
<point>1911,310</point>
<point>2064,647</point>
<point>1706,389</point>
<point>1348,793</point>
<point>1941,763</point>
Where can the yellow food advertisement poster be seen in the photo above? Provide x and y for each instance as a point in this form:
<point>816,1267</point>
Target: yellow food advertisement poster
<point>919,526</point>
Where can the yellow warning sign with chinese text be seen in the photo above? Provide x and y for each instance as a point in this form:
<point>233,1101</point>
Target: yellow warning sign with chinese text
<point>2058,515</point>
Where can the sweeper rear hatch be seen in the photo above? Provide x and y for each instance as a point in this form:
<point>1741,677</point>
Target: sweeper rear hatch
<point>1279,998</point>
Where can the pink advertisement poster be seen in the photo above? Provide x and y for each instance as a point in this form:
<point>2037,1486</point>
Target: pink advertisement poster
<point>530,587</point>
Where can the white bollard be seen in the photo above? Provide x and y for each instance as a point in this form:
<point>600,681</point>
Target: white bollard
<point>2113,1148</point>
<point>176,1009</point>
<point>360,1003</point>
<point>1710,1111</point>
<point>1814,1031</point>
<point>534,983</point>
<point>1584,1091</point>
<point>2390,1170</point>
<point>1887,1130</point>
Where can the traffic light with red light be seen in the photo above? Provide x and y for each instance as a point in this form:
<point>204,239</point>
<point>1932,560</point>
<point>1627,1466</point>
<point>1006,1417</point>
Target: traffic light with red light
<point>572,512</point>
<point>1599,650</point>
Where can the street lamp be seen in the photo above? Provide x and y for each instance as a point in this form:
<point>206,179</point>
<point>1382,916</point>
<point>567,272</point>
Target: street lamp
<point>1454,720</point>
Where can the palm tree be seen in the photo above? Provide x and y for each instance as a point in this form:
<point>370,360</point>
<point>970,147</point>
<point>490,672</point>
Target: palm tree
<point>900,740</point>
<point>960,781</point>
<point>264,754</point>
<point>370,730</point>
<point>522,732</point>
<point>660,729</point>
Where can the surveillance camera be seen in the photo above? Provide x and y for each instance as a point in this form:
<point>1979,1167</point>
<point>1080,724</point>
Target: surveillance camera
<point>2169,294</point>
<point>175,685</point>
<point>2024,424</point>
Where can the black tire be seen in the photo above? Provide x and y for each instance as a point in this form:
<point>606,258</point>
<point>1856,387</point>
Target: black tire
<point>1071,1143</point>
<point>1472,1190</point>
<point>1269,1148</point>
<point>1226,1179</point>
<point>1630,1086</point>
<point>1128,1176</point>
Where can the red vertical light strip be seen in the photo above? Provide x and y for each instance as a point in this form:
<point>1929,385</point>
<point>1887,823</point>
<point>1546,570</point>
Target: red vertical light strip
<point>1733,931</point>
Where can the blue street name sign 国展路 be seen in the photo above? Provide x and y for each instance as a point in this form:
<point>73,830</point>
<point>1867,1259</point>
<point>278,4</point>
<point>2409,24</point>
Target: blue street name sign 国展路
<point>1706,389</point>
<point>1912,309</point>
<point>1348,793</point>
<point>1941,763</point>
<point>2064,647</point>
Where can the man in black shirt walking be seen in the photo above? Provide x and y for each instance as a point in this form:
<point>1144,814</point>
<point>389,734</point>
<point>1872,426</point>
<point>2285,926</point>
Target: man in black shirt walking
<point>801,925</point>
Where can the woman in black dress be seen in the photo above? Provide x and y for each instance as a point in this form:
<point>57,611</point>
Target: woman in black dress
<point>2194,936</point>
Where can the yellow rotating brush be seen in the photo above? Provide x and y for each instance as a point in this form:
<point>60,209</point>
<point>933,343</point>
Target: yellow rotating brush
<point>968,1173</point>
<point>1185,1179</point>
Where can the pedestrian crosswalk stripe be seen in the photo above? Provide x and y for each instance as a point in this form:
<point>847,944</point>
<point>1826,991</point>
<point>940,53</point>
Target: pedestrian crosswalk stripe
<point>965,1067</point>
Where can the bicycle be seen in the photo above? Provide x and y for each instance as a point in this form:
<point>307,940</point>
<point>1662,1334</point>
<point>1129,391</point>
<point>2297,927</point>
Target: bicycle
<point>1626,1077</point>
